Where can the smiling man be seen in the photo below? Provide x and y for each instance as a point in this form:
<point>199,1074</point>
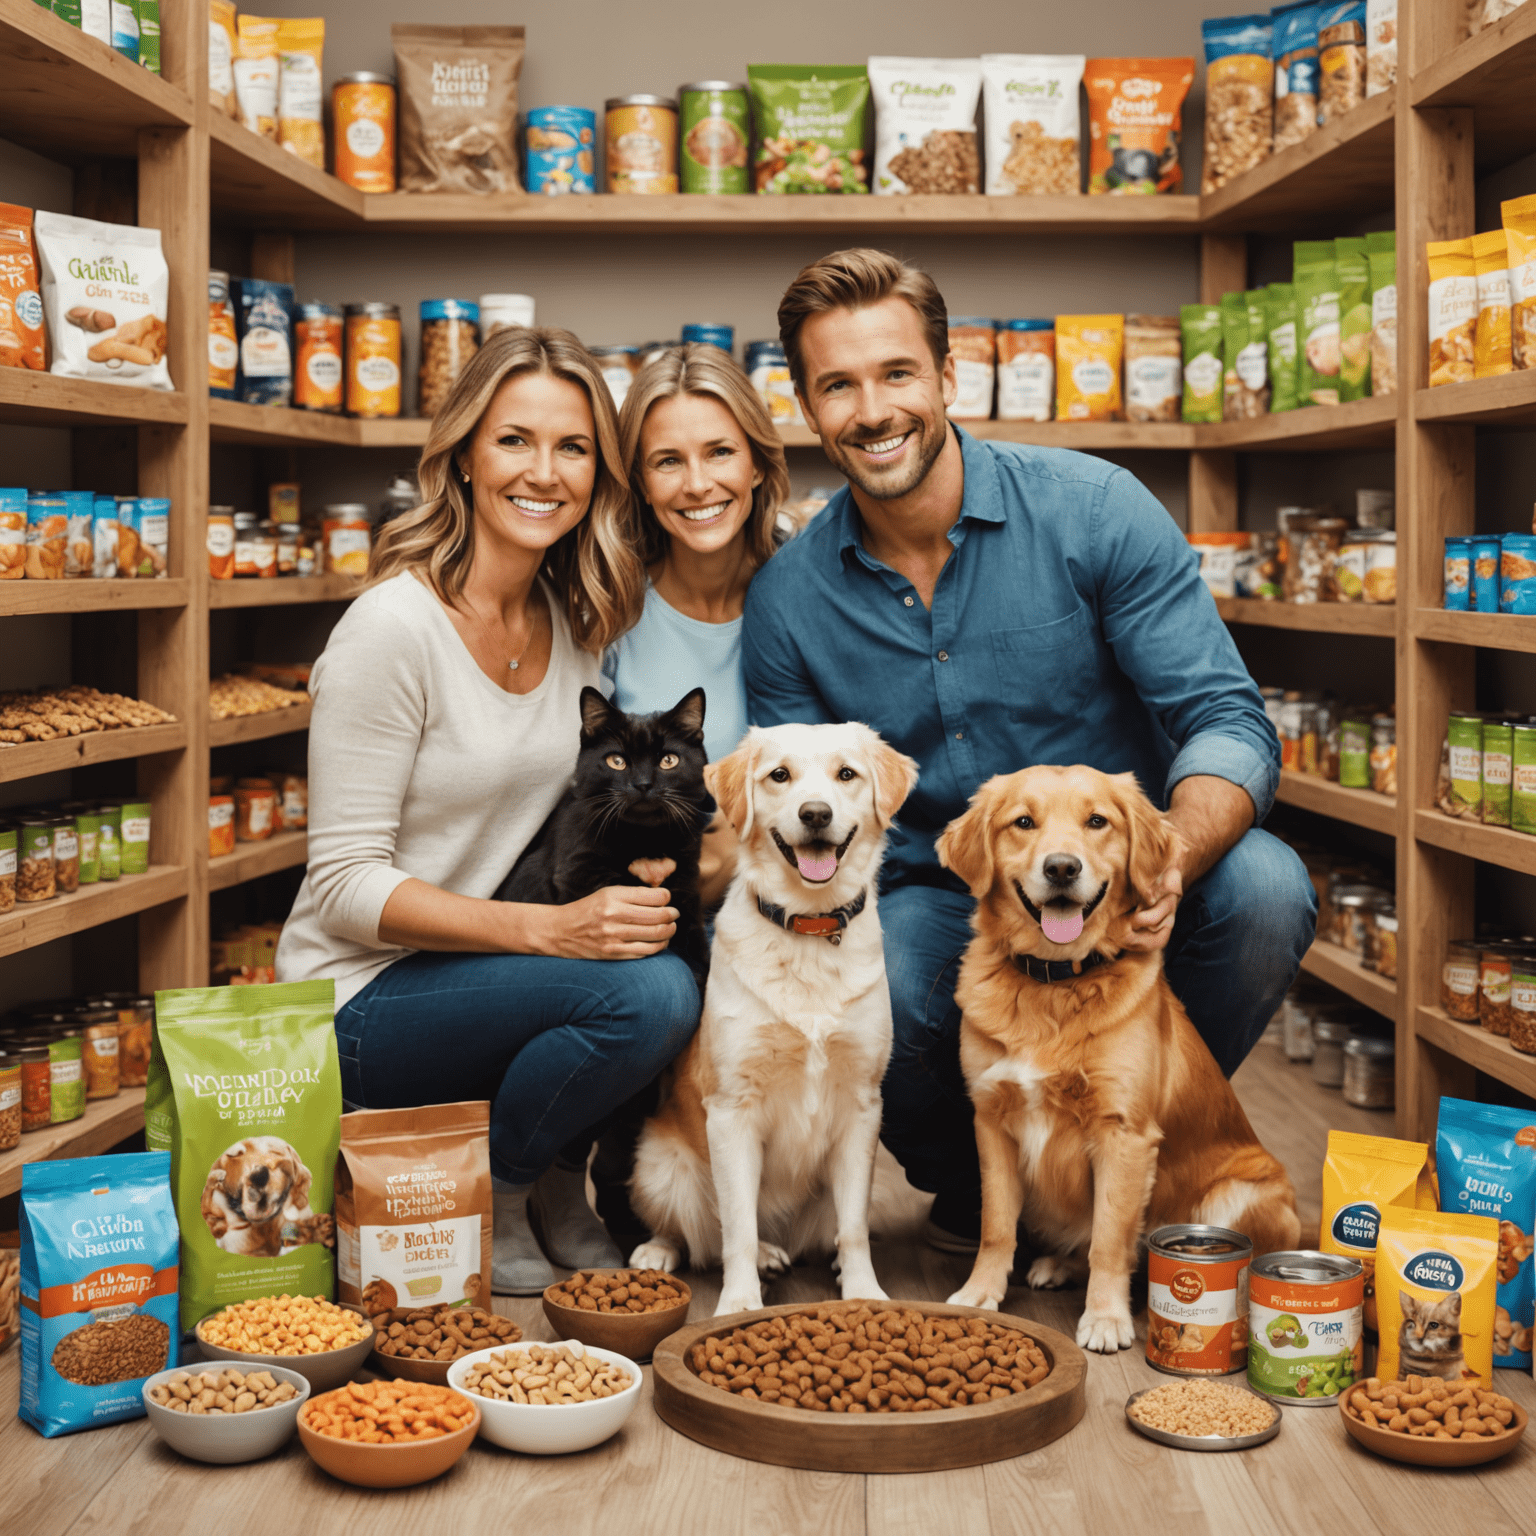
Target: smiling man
<point>987,606</point>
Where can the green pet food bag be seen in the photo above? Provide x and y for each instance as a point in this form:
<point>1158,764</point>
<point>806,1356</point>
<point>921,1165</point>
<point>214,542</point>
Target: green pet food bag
<point>1317,316</point>
<point>1280,318</point>
<point>1200,325</point>
<point>1353,267</point>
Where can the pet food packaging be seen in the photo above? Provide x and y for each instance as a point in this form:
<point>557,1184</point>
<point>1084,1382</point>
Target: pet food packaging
<point>13,533</point>
<point>256,73</point>
<point>1519,216</point>
<point>1517,574</point>
<point>245,1094</point>
<point>1280,340</point>
<point>1381,256</point>
<point>561,145</point>
<point>1026,370</point>
<point>1452,311</point>
<point>1485,1157</point>
<point>133,837</point>
<point>125,29</point>
<point>1239,96</point>
<point>1317,323</point>
<point>223,343</point>
<point>1089,349</point>
<point>1197,1300</point>
<point>810,127</point>
<point>925,125</point>
<point>1306,1330</point>
<point>1491,351</point>
<point>1485,575</point>
<point>223,49</point>
<point>640,144</point>
<point>363,121</point>
<point>1340,59</point>
<point>1200,325</point>
<point>1457,574</point>
<point>22,343</point>
<point>264,323</point>
<point>318,373</point>
<point>413,1207</point>
<point>79,537</point>
<point>1498,763</point>
<point>47,536</point>
<point>105,288</point>
<point>1436,1290</point>
<point>1032,124</point>
<point>1245,361</point>
<point>147,14</point>
<point>450,337</point>
<point>1380,46</point>
<point>373,359</point>
<point>458,107</point>
<point>973,343</point>
<point>153,523</point>
<point>1135,118</point>
<point>1296,83</point>
<point>300,46</point>
<point>766,366</point>
<point>1154,369</point>
<point>1352,268</point>
<point>98,1288</point>
<point>1362,1177</point>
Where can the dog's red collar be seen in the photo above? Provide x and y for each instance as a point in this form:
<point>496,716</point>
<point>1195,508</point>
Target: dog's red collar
<point>1060,970</point>
<point>816,925</point>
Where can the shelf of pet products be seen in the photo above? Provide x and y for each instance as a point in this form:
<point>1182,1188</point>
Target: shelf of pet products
<point>28,759</point>
<point>274,722</point>
<point>281,591</point>
<point>234,421</point>
<point>1474,1045</point>
<point>1507,400</point>
<point>1492,631</point>
<point>1490,845</point>
<point>32,399</point>
<point>1490,72</point>
<point>29,924</point>
<point>1341,968</point>
<point>249,861</point>
<point>89,595</point>
<point>67,94</point>
<point>1359,807</point>
<point>1325,618</point>
<point>104,1123</point>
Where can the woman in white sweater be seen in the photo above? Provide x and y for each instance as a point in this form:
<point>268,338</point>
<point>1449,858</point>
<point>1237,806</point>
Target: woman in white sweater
<point>446,725</point>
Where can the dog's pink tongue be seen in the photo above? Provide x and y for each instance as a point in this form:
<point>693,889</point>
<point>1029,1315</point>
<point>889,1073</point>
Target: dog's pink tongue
<point>819,867</point>
<point>1061,928</point>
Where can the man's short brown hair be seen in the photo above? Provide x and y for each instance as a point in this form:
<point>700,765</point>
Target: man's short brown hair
<point>853,280</point>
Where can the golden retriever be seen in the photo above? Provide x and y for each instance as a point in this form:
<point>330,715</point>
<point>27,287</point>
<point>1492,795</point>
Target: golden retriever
<point>256,1200</point>
<point>776,1100</point>
<point>1100,1113</point>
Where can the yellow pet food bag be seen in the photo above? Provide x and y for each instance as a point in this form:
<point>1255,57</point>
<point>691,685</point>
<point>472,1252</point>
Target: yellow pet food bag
<point>1089,349</point>
<point>1490,259</point>
<point>300,49</point>
<point>1519,215</point>
<point>1452,311</point>
<point>1436,1283</point>
<point>1361,1176</point>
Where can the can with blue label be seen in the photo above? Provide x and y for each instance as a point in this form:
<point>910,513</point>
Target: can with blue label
<point>768,368</point>
<point>1458,574</point>
<point>722,336</point>
<point>562,147</point>
<point>1517,574</point>
<point>1485,575</point>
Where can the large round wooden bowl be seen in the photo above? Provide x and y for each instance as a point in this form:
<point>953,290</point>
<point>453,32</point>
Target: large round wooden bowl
<point>871,1442</point>
<point>1419,1452</point>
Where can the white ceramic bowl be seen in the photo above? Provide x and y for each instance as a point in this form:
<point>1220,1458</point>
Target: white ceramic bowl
<point>542,1429</point>
<point>227,1438</point>
<point>334,1368</point>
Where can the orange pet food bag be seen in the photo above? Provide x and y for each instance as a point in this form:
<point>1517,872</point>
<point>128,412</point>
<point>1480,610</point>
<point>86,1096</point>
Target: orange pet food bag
<point>1135,120</point>
<point>21,303</point>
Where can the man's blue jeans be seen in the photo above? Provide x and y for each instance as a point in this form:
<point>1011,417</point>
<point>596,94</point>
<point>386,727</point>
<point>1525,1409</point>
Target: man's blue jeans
<point>555,1045</point>
<point>1237,944</point>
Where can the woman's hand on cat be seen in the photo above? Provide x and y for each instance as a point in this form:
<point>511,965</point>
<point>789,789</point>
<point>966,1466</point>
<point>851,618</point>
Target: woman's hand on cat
<point>621,922</point>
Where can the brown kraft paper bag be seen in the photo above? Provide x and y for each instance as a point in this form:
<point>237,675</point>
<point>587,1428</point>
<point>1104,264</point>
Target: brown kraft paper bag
<point>413,1207</point>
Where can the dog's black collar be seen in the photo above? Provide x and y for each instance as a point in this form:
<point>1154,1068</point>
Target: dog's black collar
<point>1061,970</point>
<point>818,925</point>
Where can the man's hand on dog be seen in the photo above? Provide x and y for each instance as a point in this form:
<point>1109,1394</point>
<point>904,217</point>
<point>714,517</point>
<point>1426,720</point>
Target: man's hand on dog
<point>1152,925</point>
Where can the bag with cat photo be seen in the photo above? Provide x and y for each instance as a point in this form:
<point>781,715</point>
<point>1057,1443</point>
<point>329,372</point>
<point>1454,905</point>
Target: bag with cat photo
<point>1435,1295</point>
<point>1486,1158</point>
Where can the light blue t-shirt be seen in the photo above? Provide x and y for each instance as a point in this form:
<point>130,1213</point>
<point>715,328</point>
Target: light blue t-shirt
<point>666,654</point>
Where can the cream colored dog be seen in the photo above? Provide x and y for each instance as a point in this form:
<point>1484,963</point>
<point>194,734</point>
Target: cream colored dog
<point>776,1102</point>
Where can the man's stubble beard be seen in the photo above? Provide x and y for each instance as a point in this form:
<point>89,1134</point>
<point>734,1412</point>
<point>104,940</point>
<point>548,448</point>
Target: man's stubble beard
<point>886,489</point>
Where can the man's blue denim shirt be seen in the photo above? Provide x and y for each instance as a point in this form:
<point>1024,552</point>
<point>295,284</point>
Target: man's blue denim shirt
<point>1069,626</point>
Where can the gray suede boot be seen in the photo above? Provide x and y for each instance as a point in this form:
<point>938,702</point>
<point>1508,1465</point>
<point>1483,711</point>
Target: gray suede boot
<point>518,1266</point>
<point>573,1235</point>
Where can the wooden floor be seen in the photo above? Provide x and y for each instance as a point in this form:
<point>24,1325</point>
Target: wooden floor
<point>650,1481</point>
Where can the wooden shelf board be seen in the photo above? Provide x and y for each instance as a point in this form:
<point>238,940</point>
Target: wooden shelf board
<point>1358,807</point>
<point>1326,618</point>
<point>70,96</point>
<point>1342,969</point>
<point>233,421</point>
<point>254,182</point>
<point>280,591</point>
<point>1491,73</point>
<point>1315,428</point>
<point>91,596</point>
<point>104,1123</point>
<point>1491,845</point>
<point>275,722</point>
<point>35,757</point>
<point>1506,401</point>
<point>29,924</point>
<point>1344,167</point>
<point>1492,631</point>
<point>249,861</point>
<point>50,400</point>
<point>1471,1043</point>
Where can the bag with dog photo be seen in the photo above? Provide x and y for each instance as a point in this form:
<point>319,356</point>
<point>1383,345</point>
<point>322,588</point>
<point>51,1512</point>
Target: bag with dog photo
<point>245,1094</point>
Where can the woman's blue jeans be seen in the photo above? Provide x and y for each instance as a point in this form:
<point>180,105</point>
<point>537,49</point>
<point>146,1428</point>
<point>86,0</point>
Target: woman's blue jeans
<point>555,1045</point>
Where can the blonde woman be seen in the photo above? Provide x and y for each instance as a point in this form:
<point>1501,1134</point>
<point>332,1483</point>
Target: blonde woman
<point>445,727</point>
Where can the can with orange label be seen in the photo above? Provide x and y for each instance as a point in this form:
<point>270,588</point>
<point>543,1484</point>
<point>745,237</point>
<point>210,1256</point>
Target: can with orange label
<point>317,370</point>
<point>363,110</point>
<point>1306,1322</point>
<point>373,359</point>
<point>223,349</point>
<point>348,535</point>
<point>1197,1300</point>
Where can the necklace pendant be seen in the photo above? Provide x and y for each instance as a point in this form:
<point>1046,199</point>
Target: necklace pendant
<point>512,666</point>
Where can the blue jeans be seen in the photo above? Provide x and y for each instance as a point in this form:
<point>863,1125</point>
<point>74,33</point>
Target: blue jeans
<point>555,1045</point>
<point>1237,944</point>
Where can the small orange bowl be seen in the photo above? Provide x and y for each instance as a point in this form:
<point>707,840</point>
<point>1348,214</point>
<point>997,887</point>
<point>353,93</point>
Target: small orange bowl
<point>387,1466</point>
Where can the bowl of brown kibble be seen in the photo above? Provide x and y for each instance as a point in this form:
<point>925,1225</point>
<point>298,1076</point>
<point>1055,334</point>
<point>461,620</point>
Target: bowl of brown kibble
<point>420,1343</point>
<point>1200,1413</point>
<point>627,1310</point>
<point>1432,1423</point>
<point>225,1415</point>
<point>323,1342</point>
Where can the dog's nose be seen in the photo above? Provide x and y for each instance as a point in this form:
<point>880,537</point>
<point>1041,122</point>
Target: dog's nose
<point>259,1177</point>
<point>816,814</point>
<point>1062,868</point>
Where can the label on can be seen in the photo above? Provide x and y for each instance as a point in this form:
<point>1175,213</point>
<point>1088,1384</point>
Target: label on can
<point>364,136</point>
<point>642,149</point>
<point>1304,1333</point>
<point>715,139</point>
<point>1197,1312</point>
<point>562,143</point>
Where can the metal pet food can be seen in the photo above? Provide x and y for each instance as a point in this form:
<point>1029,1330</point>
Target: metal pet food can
<point>1306,1320</point>
<point>373,360</point>
<point>498,311</point>
<point>1458,574</point>
<point>716,135</point>
<point>708,335</point>
<point>640,142</point>
<point>317,368</point>
<point>768,368</point>
<point>1197,1300</point>
<point>363,107</point>
<point>1517,574</point>
<point>1485,575</point>
<point>223,349</point>
<point>562,151</point>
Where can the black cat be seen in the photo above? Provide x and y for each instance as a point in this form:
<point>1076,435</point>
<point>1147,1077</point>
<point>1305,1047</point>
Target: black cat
<point>638,793</point>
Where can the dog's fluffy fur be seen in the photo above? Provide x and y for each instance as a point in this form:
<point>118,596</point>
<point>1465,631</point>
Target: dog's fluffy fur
<point>255,1190</point>
<point>1100,1113</point>
<point>775,1105</point>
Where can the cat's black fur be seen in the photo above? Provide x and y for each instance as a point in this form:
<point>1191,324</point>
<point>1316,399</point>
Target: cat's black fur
<point>610,817</point>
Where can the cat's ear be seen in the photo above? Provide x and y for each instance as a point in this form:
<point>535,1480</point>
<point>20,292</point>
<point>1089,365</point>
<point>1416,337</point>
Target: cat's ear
<point>894,775</point>
<point>730,782</point>
<point>688,714</point>
<point>1453,1306</point>
<point>596,712</point>
<point>1410,1306</point>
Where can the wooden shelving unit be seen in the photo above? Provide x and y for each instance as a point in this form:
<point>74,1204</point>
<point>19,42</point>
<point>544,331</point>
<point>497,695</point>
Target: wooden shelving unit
<point>105,1123</point>
<point>1359,807</point>
<point>26,926</point>
<point>275,722</point>
<point>1322,618</point>
<point>281,591</point>
<point>1342,969</point>
<point>35,757</point>
<point>111,595</point>
<point>249,861</point>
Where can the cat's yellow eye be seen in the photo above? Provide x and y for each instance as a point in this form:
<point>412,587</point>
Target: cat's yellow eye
<point>615,760</point>
<point>670,760</point>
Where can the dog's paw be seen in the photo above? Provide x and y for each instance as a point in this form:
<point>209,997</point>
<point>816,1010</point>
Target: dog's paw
<point>975,1296</point>
<point>1051,1273</point>
<point>1105,1332</point>
<point>744,1299</point>
<point>656,1254</point>
<point>772,1261</point>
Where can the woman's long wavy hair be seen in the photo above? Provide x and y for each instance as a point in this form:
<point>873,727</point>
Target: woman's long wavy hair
<point>697,369</point>
<point>595,568</point>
